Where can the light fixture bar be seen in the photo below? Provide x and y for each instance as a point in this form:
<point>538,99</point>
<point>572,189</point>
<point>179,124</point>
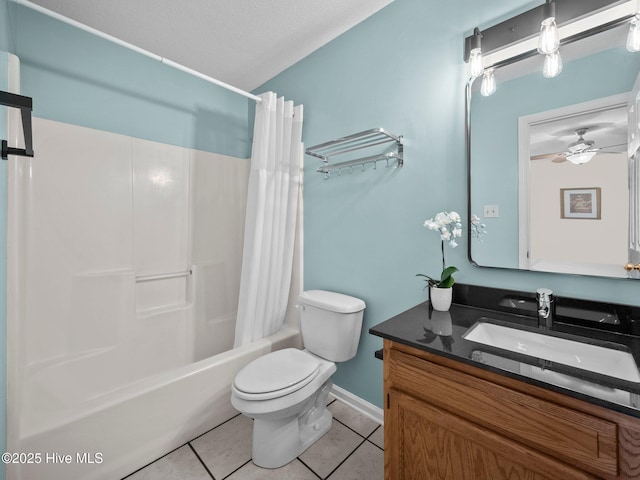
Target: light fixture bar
<point>527,24</point>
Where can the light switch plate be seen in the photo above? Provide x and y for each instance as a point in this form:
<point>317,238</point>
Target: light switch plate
<point>491,211</point>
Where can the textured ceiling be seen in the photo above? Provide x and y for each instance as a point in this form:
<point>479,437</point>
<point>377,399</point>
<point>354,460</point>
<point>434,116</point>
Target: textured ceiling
<point>241,42</point>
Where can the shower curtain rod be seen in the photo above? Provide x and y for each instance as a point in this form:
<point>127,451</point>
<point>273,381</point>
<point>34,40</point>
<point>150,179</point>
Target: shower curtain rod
<point>146,53</point>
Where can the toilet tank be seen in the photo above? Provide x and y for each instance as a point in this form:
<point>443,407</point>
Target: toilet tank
<point>331,324</point>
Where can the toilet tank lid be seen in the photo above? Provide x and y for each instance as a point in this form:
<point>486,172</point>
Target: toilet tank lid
<point>332,301</point>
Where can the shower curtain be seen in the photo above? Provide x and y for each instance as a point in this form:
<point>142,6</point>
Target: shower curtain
<point>270,224</point>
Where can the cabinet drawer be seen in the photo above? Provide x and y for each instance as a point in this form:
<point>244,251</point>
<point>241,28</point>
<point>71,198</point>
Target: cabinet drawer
<point>571,436</point>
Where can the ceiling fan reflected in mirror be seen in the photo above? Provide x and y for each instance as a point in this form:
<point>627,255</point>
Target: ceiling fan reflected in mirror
<point>579,152</point>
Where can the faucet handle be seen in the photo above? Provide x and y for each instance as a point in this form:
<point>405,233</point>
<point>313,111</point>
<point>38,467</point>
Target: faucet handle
<point>544,294</point>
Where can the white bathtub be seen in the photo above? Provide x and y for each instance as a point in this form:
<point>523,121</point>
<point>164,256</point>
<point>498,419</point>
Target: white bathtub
<point>137,424</point>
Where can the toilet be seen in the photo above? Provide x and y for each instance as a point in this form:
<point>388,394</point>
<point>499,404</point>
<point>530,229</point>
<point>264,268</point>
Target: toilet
<point>285,391</point>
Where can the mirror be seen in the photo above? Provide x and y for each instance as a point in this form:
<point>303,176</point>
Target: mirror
<point>543,209</point>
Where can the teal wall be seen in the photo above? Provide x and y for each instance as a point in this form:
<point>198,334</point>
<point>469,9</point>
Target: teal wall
<point>495,136</point>
<point>401,69</point>
<point>4,26</point>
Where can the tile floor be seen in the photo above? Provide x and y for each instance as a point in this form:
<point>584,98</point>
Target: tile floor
<point>351,450</point>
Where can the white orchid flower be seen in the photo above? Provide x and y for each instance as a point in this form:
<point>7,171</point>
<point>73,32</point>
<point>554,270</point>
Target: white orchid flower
<point>455,216</point>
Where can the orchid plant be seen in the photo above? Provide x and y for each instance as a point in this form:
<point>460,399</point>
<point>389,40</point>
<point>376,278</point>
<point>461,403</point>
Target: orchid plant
<point>449,226</point>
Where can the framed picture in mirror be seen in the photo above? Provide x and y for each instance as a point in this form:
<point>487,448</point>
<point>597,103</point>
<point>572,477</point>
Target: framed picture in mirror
<point>583,203</point>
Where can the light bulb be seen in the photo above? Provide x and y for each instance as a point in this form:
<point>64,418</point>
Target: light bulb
<point>549,38</point>
<point>475,54</point>
<point>552,65</point>
<point>633,38</point>
<point>475,63</point>
<point>488,86</point>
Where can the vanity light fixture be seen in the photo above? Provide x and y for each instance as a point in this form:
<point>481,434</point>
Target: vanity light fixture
<point>488,86</point>
<point>549,38</point>
<point>515,38</point>
<point>633,38</point>
<point>475,54</point>
<point>552,65</point>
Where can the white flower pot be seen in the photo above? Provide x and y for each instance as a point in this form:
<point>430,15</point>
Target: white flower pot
<point>441,298</point>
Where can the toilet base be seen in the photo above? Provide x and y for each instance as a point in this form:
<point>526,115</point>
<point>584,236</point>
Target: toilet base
<point>277,442</point>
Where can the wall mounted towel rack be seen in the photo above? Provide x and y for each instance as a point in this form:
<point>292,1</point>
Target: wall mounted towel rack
<point>25,104</point>
<point>368,138</point>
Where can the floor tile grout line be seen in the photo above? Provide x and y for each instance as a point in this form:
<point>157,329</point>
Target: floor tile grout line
<point>374,431</point>
<point>375,445</point>
<point>371,434</point>
<point>201,461</point>
<point>347,457</point>
<point>212,429</point>
<point>154,461</point>
<point>354,431</point>
<point>309,468</point>
<point>239,468</point>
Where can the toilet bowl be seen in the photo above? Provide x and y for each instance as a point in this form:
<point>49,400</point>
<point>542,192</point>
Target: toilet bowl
<point>285,391</point>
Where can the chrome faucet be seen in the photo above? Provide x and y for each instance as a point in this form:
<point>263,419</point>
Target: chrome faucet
<point>546,307</point>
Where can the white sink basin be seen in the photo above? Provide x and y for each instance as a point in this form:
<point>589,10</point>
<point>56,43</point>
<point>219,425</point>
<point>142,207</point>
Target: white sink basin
<point>606,361</point>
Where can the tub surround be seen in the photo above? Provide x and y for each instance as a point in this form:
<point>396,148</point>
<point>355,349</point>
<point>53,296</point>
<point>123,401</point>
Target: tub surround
<point>442,333</point>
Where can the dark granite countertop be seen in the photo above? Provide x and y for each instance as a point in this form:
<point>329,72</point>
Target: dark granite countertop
<point>442,333</point>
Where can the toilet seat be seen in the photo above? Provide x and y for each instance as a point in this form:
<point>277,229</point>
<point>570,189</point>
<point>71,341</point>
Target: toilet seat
<point>276,374</point>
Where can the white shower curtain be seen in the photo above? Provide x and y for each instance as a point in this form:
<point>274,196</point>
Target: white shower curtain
<point>272,205</point>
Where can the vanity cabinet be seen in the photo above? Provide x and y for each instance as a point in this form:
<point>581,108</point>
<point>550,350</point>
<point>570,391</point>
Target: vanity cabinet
<point>446,419</point>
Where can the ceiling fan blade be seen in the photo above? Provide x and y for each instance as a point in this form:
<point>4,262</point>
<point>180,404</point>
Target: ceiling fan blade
<point>560,159</point>
<point>619,148</point>
<point>546,156</point>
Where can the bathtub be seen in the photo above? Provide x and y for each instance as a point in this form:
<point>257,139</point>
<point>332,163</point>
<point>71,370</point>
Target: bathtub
<point>133,426</point>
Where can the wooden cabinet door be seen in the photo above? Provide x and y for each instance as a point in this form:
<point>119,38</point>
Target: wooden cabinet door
<point>425,442</point>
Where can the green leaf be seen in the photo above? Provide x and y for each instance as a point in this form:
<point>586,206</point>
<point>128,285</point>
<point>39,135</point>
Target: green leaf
<point>430,280</point>
<point>446,279</point>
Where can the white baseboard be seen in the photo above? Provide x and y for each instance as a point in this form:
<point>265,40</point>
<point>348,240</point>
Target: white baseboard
<point>368,409</point>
